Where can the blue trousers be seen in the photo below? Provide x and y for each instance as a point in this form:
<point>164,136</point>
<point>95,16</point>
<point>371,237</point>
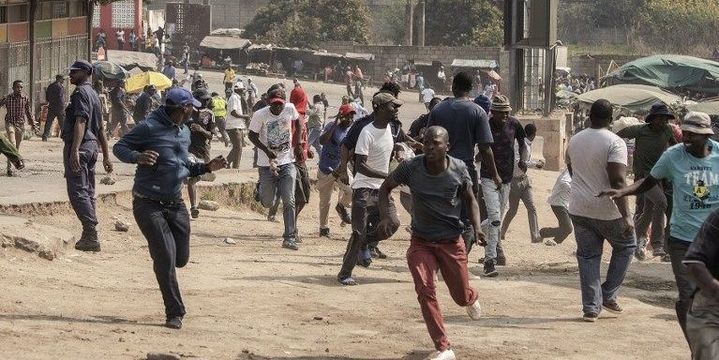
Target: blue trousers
<point>81,184</point>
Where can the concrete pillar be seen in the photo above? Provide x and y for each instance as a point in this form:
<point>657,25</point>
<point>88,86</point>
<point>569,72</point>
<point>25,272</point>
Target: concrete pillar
<point>409,23</point>
<point>421,25</point>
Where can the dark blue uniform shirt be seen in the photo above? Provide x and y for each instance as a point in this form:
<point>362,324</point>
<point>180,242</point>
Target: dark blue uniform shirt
<point>84,103</point>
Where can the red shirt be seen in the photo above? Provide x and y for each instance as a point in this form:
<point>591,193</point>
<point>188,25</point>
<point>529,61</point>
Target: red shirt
<point>298,98</point>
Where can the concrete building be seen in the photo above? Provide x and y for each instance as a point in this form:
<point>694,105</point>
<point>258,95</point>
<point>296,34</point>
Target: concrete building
<point>39,39</point>
<point>122,14</point>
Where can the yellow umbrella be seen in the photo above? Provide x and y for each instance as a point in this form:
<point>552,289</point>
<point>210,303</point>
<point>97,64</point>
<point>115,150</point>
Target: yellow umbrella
<point>136,83</point>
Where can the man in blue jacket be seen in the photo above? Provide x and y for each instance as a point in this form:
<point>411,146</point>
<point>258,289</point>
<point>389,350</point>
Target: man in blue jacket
<point>159,146</point>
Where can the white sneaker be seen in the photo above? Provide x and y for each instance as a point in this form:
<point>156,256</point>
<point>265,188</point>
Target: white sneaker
<point>442,355</point>
<point>474,310</point>
<point>550,242</point>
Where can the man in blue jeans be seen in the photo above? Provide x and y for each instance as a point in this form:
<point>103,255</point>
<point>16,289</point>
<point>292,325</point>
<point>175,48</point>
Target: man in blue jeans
<point>693,168</point>
<point>159,146</point>
<point>597,160</point>
<point>271,132</point>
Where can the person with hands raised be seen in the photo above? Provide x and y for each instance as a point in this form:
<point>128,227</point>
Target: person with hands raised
<point>692,169</point>
<point>159,146</point>
<point>440,186</point>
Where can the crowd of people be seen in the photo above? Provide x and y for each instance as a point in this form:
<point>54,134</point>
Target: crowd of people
<point>461,168</point>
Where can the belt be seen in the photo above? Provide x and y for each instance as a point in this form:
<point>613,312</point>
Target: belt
<point>177,201</point>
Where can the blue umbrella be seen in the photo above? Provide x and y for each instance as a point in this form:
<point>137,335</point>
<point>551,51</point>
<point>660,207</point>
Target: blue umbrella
<point>110,71</point>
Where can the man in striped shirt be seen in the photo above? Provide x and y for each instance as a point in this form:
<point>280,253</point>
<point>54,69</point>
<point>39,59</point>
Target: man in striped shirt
<point>18,108</point>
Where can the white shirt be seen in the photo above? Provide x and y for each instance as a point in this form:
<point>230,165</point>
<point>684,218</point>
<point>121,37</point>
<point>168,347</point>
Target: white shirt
<point>377,145</point>
<point>427,95</point>
<point>562,190</point>
<point>527,153</point>
<point>276,133</point>
<point>233,122</point>
<point>440,75</point>
<point>588,152</point>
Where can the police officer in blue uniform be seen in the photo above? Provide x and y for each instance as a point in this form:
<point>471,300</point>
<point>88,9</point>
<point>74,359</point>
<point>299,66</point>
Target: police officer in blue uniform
<point>159,146</point>
<point>82,132</point>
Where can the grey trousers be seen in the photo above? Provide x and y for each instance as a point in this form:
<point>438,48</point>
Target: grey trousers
<point>650,210</point>
<point>677,251</point>
<point>590,235</point>
<point>521,189</point>
<point>703,327</point>
<point>564,228</point>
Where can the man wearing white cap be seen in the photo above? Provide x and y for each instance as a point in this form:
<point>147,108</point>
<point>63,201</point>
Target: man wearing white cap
<point>693,169</point>
<point>236,123</point>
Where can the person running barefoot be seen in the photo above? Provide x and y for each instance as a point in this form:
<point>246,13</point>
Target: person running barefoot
<point>440,186</point>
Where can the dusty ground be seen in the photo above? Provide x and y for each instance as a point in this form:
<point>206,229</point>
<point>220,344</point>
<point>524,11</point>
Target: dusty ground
<point>255,300</point>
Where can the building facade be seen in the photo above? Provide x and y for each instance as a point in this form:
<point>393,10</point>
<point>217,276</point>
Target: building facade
<point>123,15</point>
<point>40,39</point>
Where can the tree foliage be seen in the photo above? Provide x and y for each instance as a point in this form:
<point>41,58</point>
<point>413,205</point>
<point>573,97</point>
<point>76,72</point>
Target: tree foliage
<point>680,26</point>
<point>306,23</point>
<point>463,22</point>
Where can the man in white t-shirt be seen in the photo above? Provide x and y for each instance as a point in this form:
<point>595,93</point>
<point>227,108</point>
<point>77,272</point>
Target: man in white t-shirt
<point>597,160</point>
<point>271,132</point>
<point>427,95</point>
<point>372,157</point>
<point>236,124</point>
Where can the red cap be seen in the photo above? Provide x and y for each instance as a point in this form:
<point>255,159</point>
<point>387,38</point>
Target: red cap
<point>347,109</point>
<point>277,100</point>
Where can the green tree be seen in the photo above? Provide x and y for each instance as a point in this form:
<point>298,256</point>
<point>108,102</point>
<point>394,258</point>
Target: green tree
<point>463,22</point>
<point>306,23</point>
<point>679,26</point>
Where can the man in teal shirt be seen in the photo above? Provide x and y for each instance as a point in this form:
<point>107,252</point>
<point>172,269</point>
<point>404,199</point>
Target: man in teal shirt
<point>693,169</point>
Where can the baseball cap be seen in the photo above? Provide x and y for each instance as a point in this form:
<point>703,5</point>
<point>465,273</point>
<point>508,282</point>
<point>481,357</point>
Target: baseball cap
<point>81,65</point>
<point>697,123</point>
<point>347,109</point>
<point>181,96</point>
<point>384,98</point>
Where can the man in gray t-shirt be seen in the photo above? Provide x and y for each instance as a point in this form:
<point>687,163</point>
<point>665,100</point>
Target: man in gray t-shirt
<point>440,187</point>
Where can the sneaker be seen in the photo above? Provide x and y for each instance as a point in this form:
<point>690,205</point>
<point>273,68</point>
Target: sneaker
<point>550,242</point>
<point>474,310</point>
<point>501,260</point>
<point>298,239</point>
<point>9,172</point>
<point>442,355</point>
<point>348,281</point>
<point>174,322</point>
<point>271,218</point>
<point>325,233</point>
<point>365,259</point>
<point>658,252</point>
<point>489,269</point>
<point>344,215</point>
<point>19,164</point>
<point>44,138</point>
<point>290,244</point>
<point>666,258</point>
<point>377,253</point>
<point>194,213</point>
<point>612,307</point>
<point>590,317</point>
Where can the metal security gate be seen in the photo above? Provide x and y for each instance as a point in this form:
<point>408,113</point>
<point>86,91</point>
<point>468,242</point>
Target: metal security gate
<point>189,23</point>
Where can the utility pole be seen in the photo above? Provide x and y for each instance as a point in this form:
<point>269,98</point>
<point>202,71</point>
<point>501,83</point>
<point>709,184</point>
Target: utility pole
<point>421,27</point>
<point>409,23</point>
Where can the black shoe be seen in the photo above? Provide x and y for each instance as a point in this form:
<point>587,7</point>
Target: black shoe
<point>489,269</point>
<point>590,317</point>
<point>44,138</point>
<point>194,213</point>
<point>19,164</point>
<point>88,241</point>
<point>344,215</point>
<point>174,322</point>
<point>290,244</point>
<point>612,307</point>
<point>640,252</point>
<point>325,232</point>
<point>298,239</point>
<point>659,252</point>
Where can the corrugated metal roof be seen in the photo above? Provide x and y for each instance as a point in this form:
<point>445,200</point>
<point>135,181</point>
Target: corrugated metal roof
<point>479,64</point>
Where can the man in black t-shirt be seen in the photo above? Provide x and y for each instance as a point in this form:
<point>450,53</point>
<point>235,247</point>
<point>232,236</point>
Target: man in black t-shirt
<point>202,125</point>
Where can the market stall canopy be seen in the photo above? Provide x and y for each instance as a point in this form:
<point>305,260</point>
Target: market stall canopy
<point>138,82</point>
<point>476,64</point>
<point>133,59</point>
<point>359,56</point>
<point>327,54</point>
<point>709,107</point>
<point>635,98</point>
<point>109,70</point>
<point>234,32</point>
<point>224,42</point>
<point>669,71</point>
<point>493,75</point>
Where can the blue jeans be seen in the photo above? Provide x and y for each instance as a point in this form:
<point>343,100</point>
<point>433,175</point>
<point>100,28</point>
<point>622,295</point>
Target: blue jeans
<point>282,186</point>
<point>313,138</point>
<point>496,203</point>
<point>590,235</point>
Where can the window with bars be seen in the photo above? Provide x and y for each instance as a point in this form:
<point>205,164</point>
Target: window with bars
<point>123,14</point>
<point>96,16</point>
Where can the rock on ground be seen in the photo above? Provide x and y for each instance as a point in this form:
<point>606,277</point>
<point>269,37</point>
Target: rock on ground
<point>208,205</point>
<point>44,240</point>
